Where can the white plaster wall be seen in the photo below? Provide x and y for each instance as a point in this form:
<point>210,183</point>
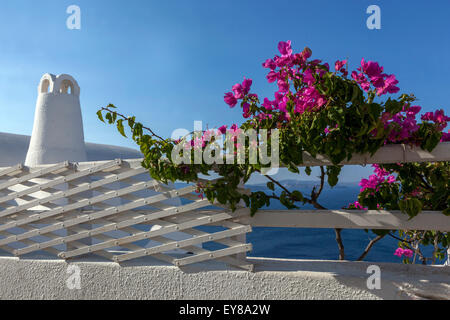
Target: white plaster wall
<point>273,279</point>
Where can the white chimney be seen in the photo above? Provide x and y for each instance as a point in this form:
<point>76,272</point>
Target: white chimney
<point>58,128</point>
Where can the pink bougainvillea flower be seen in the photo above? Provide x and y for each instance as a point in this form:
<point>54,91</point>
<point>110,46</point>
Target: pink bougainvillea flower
<point>371,68</point>
<point>267,104</point>
<point>339,67</point>
<point>238,91</point>
<point>223,129</point>
<point>437,117</point>
<point>445,136</point>
<point>389,86</point>
<point>398,252</point>
<point>230,99</point>
<point>361,80</point>
<point>272,76</point>
<point>246,85</point>
<point>339,64</point>
<point>356,205</point>
<point>246,109</point>
<point>269,64</point>
<point>306,53</point>
<point>412,111</point>
<point>408,253</point>
<point>283,86</point>
<point>285,48</point>
<point>308,77</point>
<point>391,179</point>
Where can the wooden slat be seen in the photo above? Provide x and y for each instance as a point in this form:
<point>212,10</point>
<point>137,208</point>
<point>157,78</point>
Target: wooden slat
<point>67,193</point>
<point>149,234</point>
<point>18,168</point>
<point>86,218</point>
<point>182,243</point>
<point>106,228</point>
<point>35,174</point>
<point>59,181</point>
<point>348,219</point>
<point>230,260</point>
<point>213,255</point>
<point>84,203</point>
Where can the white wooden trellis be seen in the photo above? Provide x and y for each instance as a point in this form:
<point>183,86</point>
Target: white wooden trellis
<point>71,209</point>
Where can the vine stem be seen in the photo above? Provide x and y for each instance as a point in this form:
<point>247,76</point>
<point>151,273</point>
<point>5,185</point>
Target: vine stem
<point>340,244</point>
<point>127,118</point>
<point>370,245</point>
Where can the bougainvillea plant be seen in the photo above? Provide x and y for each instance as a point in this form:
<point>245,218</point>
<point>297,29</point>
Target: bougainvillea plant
<point>322,110</point>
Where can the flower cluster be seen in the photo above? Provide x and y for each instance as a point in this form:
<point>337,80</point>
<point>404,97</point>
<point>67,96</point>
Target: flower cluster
<point>440,119</point>
<point>356,205</point>
<point>295,77</point>
<point>371,74</point>
<point>403,252</point>
<point>381,176</point>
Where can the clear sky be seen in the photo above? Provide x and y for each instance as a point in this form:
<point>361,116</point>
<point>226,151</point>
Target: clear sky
<point>170,62</point>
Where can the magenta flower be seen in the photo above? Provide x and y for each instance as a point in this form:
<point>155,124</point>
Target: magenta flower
<point>223,129</point>
<point>306,53</point>
<point>283,86</point>
<point>445,136</point>
<point>389,86</point>
<point>246,109</point>
<point>408,253</point>
<point>356,205</point>
<point>267,104</point>
<point>285,48</point>
<point>403,252</point>
<point>230,99</point>
<point>272,76</point>
<point>398,252</point>
<point>371,68</point>
<point>412,111</point>
<point>391,179</point>
<point>437,117</point>
<point>269,64</point>
<point>246,85</point>
<point>238,91</point>
<point>308,77</point>
<point>339,67</point>
<point>339,64</point>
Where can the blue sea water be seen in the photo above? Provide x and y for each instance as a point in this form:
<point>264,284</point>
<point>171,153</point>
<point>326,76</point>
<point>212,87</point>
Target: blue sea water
<point>297,243</point>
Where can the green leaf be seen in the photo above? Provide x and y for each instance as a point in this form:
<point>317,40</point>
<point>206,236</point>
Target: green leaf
<point>120,127</point>
<point>100,115</point>
<point>308,171</point>
<point>271,185</point>
<point>293,168</point>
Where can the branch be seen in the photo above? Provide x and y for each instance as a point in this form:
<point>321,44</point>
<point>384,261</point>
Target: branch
<point>127,118</point>
<point>369,246</point>
<point>340,244</point>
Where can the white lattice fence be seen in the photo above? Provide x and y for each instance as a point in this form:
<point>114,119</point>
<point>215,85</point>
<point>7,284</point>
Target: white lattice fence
<point>112,209</point>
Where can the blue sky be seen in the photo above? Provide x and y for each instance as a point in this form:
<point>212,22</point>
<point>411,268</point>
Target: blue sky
<point>170,62</point>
